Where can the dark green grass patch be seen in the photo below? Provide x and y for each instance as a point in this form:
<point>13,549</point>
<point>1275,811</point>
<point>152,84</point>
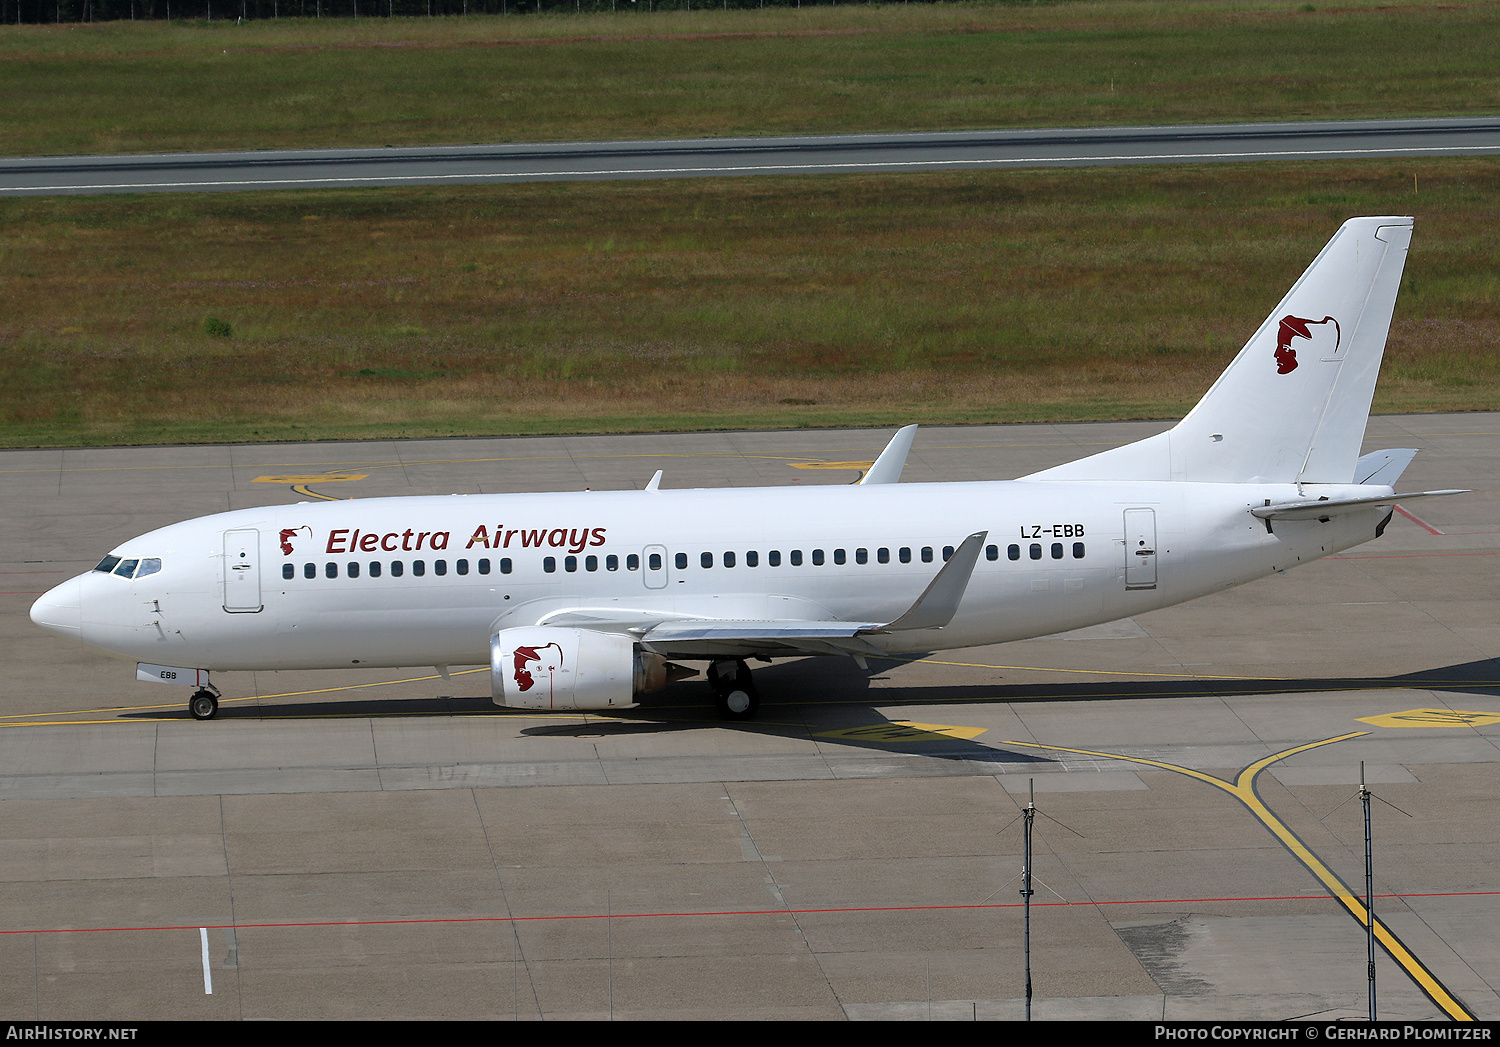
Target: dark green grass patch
<point>155,87</point>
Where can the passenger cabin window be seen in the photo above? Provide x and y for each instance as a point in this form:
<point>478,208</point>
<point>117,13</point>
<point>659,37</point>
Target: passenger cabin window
<point>927,554</point>
<point>1013,551</point>
<point>883,555</point>
<point>288,571</point>
<point>752,559</point>
<point>773,558</point>
<point>796,558</point>
<point>992,552</point>
<point>906,554</point>
<point>681,562</point>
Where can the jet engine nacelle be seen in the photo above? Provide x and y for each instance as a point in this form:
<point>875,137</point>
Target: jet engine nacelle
<point>544,667</point>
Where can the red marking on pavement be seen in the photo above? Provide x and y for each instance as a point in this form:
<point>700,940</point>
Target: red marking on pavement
<point>737,912</point>
<point>1419,522</point>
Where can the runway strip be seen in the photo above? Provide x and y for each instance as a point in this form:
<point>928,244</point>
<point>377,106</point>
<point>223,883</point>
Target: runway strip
<point>718,157</point>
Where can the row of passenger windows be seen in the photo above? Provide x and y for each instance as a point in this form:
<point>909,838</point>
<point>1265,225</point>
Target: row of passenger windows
<point>654,561</point>
<point>397,568</point>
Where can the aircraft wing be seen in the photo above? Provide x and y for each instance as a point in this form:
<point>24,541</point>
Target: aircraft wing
<point>685,637</point>
<point>1326,508</point>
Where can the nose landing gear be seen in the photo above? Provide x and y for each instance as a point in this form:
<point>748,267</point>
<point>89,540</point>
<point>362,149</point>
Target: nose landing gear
<point>204,704</point>
<point>734,691</point>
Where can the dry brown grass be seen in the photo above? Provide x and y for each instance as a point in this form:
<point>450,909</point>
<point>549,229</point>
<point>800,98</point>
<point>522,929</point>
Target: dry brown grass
<point>611,306</point>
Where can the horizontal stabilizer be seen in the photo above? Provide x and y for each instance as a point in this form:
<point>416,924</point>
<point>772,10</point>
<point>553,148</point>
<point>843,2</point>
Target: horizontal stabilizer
<point>1327,508</point>
<point>1383,467</point>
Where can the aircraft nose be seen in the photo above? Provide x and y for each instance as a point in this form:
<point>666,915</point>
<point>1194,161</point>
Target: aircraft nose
<point>60,609</point>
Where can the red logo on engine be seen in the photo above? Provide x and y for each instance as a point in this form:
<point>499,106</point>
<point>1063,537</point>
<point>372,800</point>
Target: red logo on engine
<point>288,534</point>
<point>524,655</point>
<point>1296,327</point>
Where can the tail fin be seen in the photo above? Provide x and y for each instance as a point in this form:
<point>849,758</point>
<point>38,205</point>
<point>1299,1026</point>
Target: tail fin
<point>1293,404</point>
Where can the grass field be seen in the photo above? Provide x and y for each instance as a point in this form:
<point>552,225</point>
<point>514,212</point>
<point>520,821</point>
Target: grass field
<point>1063,294</point>
<point>1096,293</point>
<point>155,87</point>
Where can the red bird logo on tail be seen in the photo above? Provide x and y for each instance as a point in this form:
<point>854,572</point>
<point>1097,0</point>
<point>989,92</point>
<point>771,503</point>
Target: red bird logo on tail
<point>1296,327</point>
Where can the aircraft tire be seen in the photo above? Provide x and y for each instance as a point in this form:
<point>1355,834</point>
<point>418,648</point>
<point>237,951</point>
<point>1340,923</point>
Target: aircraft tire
<point>204,705</point>
<point>737,702</point>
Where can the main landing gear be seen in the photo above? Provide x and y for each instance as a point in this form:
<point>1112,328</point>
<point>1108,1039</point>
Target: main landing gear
<point>204,704</point>
<point>734,691</point>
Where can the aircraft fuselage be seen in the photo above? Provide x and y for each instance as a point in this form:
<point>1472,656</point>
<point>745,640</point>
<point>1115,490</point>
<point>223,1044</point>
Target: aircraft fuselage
<point>427,581</point>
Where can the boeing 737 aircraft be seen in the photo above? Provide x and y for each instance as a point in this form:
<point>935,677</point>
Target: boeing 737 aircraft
<point>586,600</point>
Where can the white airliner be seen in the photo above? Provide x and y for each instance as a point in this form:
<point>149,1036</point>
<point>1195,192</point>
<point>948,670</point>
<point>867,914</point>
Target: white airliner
<point>579,600</point>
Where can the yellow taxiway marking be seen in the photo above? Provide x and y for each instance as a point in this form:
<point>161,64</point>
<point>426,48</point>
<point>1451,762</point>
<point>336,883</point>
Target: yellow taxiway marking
<point>832,465</point>
<point>308,492</point>
<point>324,478</point>
<point>1431,718</point>
<point>1243,790</point>
<point>904,731</point>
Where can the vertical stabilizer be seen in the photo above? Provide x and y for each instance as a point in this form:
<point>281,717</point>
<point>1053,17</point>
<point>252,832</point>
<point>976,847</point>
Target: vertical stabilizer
<point>1293,404</point>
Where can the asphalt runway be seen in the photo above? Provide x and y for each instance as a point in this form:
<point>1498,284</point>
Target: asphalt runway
<point>559,161</point>
<point>390,845</point>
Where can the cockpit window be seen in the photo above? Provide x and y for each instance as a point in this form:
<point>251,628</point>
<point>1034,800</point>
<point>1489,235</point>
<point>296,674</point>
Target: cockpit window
<point>129,568</point>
